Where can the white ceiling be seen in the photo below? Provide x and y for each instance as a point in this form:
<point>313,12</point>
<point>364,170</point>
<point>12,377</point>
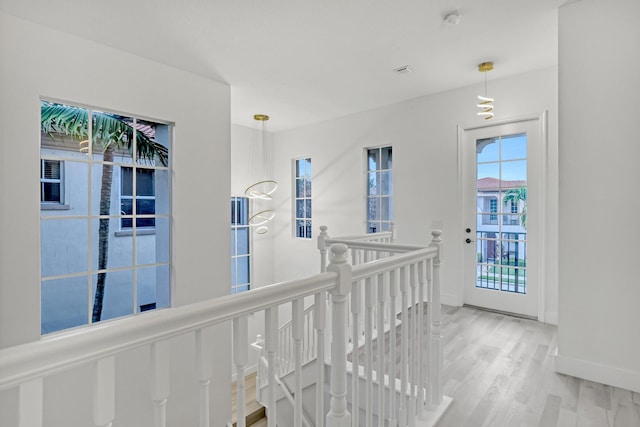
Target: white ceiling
<point>304,61</point>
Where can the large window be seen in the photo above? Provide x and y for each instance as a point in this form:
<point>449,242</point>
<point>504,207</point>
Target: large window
<point>302,199</point>
<point>379,189</point>
<point>240,245</point>
<point>106,254</point>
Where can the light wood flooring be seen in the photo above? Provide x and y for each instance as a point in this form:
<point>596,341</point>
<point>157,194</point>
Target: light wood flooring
<point>499,371</point>
<point>255,413</point>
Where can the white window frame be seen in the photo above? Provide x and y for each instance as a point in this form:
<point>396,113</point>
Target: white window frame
<point>382,224</point>
<point>235,227</point>
<point>44,180</point>
<point>134,217</point>
<point>307,209</point>
<point>86,213</point>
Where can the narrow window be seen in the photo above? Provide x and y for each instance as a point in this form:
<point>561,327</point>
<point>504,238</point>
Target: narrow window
<point>105,216</point>
<point>51,181</point>
<point>493,208</point>
<point>240,245</point>
<point>379,189</point>
<point>302,199</point>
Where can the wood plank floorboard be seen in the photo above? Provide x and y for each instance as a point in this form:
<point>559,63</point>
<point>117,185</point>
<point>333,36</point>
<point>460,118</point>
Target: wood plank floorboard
<point>499,371</point>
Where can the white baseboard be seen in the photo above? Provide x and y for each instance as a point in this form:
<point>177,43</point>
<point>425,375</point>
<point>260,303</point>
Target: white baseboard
<point>551,317</point>
<point>609,375</point>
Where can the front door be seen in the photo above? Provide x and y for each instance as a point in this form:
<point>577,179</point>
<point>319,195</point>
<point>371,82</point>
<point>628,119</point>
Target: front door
<point>500,216</point>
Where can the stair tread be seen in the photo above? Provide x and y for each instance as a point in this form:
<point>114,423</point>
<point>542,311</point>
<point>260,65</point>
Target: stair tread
<point>254,411</point>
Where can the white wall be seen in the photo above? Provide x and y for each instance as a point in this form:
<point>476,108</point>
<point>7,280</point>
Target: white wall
<point>423,134</point>
<point>38,62</point>
<point>599,324</point>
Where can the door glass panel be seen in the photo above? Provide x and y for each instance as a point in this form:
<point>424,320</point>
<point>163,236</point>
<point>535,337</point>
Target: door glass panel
<point>501,236</point>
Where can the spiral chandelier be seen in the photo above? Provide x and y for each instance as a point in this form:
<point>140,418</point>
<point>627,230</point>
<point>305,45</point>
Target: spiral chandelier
<point>485,104</point>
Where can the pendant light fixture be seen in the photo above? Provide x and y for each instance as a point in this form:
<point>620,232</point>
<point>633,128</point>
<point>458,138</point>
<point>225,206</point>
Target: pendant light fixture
<point>485,104</point>
<point>263,185</point>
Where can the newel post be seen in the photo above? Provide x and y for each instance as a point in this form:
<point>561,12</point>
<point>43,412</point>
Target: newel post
<point>322,247</point>
<point>436,352</point>
<point>338,415</point>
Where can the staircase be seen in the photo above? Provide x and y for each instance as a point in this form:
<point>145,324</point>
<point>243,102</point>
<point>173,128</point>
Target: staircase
<point>363,287</point>
<point>255,412</point>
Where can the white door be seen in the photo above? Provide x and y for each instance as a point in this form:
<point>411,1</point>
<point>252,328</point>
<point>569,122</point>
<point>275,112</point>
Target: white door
<point>500,189</point>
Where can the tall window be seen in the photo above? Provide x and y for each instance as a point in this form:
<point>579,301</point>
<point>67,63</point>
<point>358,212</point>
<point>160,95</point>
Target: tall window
<point>51,181</point>
<point>106,254</point>
<point>493,208</point>
<point>240,247</point>
<point>303,198</point>
<point>379,189</point>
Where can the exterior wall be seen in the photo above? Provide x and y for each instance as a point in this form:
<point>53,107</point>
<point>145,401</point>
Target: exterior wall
<point>34,63</point>
<point>422,132</point>
<point>599,324</point>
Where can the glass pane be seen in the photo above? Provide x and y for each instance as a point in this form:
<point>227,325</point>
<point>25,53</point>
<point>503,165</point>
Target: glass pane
<point>234,269</point>
<point>299,187</point>
<point>75,189</point>
<point>50,192</point>
<point>233,242</point>
<point>243,241</point>
<point>387,183</point>
<point>385,208</point>
<point>64,246</point>
<point>299,208</point>
<point>57,121</point>
<point>145,222</point>
<point>145,206</point>
<point>243,270</point>
<point>64,303</point>
<point>387,158</point>
<point>152,142</point>
<point>374,180</point>
<point>514,147</point>
<point>300,228</point>
<point>112,137</point>
<point>372,156</point>
<point>308,167</point>
<point>109,250</point>
<point>515,171</point>
<point>162,192</point>
<point>373,211</point>
<point>117,298</point>
<point>300,168</point>
<point>373,227</point>
<point>488,170</point>
<point>307,208</point>
<point>307,187</point>
<point>386,226</point>
<point>145,182</point>
<point>488,150</point>
<point>153,287</point>
<point>154,248</point>
<point>100,178</point>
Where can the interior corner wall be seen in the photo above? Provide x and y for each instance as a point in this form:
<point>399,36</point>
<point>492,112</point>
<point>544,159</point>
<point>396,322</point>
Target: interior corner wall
<point>599,319</point>
<point>423,133</point>
<point>39,62</point>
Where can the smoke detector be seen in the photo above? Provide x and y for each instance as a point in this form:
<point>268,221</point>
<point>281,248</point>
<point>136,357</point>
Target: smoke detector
<point>452,18</point>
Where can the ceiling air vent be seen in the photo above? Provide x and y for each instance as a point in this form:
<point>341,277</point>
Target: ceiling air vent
<point>402,70</point>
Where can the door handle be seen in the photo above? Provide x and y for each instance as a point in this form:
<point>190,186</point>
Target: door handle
<point>469,240</point>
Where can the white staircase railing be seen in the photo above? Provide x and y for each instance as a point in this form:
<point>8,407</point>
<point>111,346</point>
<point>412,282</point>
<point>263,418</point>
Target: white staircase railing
<point>414,274</point>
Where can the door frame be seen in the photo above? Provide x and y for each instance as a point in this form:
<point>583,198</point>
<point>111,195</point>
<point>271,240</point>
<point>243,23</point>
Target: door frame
<point>541,181</point>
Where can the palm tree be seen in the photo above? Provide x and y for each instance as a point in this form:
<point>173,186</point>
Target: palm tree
<point>110,133</point>
<point>515,195</point>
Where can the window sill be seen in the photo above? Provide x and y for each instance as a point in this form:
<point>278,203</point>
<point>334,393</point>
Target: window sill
<point>124,233</point>
<point>54,207</point>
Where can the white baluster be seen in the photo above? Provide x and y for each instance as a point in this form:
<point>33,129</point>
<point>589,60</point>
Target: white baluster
<point>319,320</point>
<point>322,247</point>
<point>30,411</point>
<point>204,363</point>
<point>271,344</point>
<point>240,358</point>
<point>436,357</point>
<point>355,360</point>
<point>393,280</point>
<point>404,349</point>
<point>160,381</point>
<point>421,280</point>
<point>104,396</point>
<point>429,335</point>
<point>297,317</point>
<point>413,347</point>
<point>338,415</point>
<point>368,349</point>
<point>382,299</point>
